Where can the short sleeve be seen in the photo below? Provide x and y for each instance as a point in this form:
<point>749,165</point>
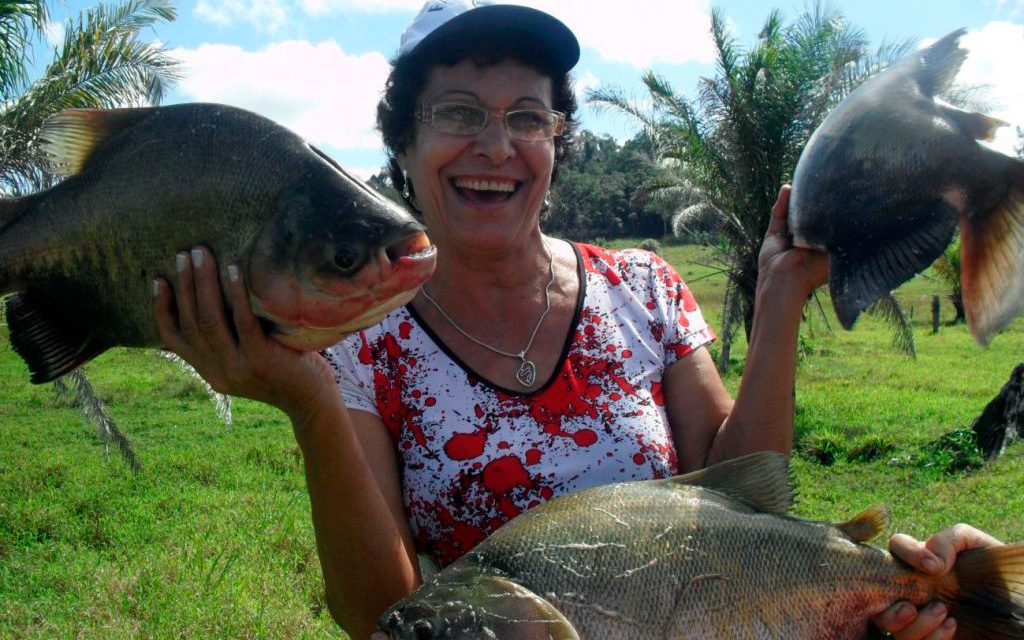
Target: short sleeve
<point>685,329</point>
<point>354,376</point>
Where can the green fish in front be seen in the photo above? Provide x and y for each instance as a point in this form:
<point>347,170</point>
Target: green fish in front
<point>322,254</point>
<point>706,556</point>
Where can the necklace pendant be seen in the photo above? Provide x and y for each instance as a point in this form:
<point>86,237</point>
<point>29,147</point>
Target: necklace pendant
<point>527,373</point>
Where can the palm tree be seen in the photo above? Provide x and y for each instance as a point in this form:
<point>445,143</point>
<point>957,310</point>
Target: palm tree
<point>729,150</point>
<point>102,63</point>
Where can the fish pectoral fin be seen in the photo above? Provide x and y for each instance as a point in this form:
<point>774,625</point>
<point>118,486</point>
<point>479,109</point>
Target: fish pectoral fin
<point>867,524</point>
<point>759,480</point>
<point>977,125</point>
<point>50,342</point>
<point>71,136</point>
<point>516,613</point>
<point>992,262</point>
<point>870,267</point>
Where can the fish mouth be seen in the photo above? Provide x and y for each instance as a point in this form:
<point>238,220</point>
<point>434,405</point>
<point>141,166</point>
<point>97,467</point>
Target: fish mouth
<point>307,317</point>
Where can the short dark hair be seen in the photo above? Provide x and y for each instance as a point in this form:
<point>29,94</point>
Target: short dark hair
<point>395,111</point>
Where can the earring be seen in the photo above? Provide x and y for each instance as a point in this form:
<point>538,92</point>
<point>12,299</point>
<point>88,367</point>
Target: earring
<point>406,191</point>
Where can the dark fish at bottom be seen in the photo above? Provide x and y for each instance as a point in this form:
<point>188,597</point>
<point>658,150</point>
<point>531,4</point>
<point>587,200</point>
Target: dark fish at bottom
<point>706,556</point>
<point>887,177</point>
<point>322,254</point>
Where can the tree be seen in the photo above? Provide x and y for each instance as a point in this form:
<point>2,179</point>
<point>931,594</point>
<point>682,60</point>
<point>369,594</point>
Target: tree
<point>101,63</point>
<point>734,144</point>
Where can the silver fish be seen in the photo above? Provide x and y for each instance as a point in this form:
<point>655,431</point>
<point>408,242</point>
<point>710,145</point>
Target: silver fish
<point>322,254</point>
<point>884,181</point>
<point>706,556</point>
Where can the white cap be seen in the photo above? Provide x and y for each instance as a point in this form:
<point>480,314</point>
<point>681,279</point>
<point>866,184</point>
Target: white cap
<point>442,20</point>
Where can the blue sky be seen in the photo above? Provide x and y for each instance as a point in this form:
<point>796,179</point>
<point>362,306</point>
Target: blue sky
<point>317,66</point>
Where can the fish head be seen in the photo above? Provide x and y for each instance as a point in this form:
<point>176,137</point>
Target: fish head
<point>335,258</point>
<point>465,604</point>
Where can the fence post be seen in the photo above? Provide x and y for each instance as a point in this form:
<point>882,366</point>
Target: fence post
<point>935,314</point>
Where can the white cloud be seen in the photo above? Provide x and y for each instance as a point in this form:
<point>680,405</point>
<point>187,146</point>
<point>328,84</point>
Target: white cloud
<point>996,51</point>
<point>318,90</point>
<point>321,7</point>
<point>54,33</point>
<point>265,15</point>
<point>641,32</point>
<point>584,82</point>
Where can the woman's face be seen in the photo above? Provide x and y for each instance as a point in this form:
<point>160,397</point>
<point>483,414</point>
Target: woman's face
<point>483,191</point>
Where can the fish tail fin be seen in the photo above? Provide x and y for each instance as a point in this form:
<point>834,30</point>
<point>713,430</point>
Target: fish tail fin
<point>985,593</point>
<point>992,261</point>
<point>50,343</point>
<point>866,269</point>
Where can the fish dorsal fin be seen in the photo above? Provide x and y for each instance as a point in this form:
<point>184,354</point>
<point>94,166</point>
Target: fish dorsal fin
<point>760,480</point>
<point>71,136</point>
<point>867,524</point>
<point>940,63</point>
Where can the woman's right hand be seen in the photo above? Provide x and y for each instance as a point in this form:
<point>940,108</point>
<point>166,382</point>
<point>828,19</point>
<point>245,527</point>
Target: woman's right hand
<point>235,356</point>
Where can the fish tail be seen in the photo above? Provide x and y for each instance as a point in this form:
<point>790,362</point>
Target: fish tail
<point>992,261</point>
<point>985,594</point>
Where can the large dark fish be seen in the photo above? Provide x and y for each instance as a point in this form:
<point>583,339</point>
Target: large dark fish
<point>706,556</point>
<point>322,254</point>
<point>883,182</point>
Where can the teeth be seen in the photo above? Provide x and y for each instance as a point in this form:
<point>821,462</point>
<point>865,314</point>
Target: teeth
<point>485,185</point>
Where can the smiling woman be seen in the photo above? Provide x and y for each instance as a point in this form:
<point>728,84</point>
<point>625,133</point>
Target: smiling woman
<point>527,367</point>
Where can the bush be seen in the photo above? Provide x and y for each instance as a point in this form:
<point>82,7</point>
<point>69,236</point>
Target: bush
<point>650,244</point>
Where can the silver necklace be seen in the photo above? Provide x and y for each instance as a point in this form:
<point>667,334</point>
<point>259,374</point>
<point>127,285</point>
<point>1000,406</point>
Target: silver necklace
<point>526,375</point>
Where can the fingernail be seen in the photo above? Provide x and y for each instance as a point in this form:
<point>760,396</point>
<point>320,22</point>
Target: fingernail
<point>156,288</point>
<point>930,564</point>
<point>233,272</point>
<point>181,261</point>
<point>197,258</point>
<point>948,623</point>
<point>937,608</point>
<point>905,612</point>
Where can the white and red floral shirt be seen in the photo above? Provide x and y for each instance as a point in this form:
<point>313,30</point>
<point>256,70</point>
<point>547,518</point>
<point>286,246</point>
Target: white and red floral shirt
<point>474,455</point>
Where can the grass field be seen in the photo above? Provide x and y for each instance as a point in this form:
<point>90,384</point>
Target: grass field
<point>212,538</point>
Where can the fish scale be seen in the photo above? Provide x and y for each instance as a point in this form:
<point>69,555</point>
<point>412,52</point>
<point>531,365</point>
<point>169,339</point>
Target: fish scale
<point>707,556</point>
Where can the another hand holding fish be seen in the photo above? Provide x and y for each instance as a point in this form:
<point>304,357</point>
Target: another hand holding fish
<point>936,556</point>
<point>234,354</point>
<point>806,268</point>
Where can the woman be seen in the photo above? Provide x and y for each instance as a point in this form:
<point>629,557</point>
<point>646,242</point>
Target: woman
<point>528,366</point>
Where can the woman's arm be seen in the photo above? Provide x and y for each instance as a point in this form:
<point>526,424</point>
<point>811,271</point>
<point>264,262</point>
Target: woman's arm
<point>707,426</point>
<point>364,543</point>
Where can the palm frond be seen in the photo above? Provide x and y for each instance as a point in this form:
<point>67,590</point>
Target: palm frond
<point>102,63</point>
<point>76,390</point>
<point>221,401</point>
<point>888,309</point>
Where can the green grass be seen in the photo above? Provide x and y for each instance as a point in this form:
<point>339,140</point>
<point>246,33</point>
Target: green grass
<point>213,537</point>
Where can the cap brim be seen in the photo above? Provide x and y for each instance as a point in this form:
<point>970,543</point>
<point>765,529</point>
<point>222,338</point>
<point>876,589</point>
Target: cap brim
<point>512,22</point>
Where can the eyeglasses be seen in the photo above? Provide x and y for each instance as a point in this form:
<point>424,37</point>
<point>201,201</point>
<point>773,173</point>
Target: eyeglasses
<point>463,119</point>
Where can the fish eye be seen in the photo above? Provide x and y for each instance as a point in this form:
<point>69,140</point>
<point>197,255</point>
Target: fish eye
<point>347,258</point>
<point>422,630</point>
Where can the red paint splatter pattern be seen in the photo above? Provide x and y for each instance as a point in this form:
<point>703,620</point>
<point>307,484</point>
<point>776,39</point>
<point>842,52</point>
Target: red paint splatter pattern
<point>474,456</point>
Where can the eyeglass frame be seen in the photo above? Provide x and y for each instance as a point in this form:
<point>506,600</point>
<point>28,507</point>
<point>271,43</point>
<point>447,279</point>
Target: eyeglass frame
<point>425,113</point>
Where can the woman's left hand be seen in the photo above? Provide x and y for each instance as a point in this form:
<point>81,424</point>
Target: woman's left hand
<point>779,259</point>
<point>936,556</point>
